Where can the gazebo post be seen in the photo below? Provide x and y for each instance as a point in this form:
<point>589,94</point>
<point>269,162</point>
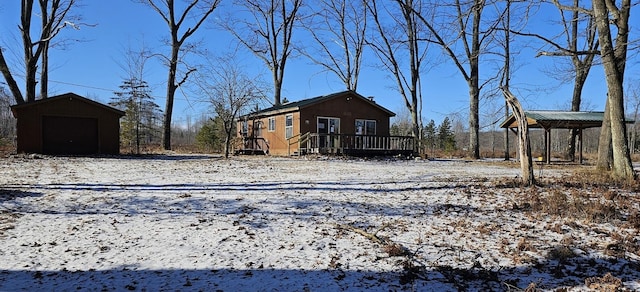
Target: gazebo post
<point>547,145</point>
<point>580,143</point>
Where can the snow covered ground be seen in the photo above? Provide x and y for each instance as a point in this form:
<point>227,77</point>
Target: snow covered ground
<point>202,223</point>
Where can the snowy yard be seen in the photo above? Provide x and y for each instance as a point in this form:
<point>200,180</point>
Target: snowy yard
<point>202,223</point>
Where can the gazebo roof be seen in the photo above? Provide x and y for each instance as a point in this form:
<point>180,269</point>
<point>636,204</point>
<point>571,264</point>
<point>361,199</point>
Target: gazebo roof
<point>558,120</point>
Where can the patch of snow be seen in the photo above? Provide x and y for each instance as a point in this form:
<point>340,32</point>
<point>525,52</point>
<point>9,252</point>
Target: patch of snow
<point>262,223</point>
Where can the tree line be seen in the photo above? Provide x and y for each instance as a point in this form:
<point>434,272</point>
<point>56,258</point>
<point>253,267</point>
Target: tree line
<point>402,36</point>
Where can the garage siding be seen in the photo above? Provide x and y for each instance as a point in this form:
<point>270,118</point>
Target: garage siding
<point>67,124</point>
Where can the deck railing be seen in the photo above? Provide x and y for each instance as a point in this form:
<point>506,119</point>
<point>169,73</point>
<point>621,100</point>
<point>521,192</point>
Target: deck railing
<point>252,145</point>
<point>348,144</point>
<point>359,144</point>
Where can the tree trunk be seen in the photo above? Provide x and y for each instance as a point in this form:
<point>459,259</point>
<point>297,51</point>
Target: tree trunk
<point>11,82</point>
<point>30,57</point>
<point>526,163</point>
<point>507,74</point>
<point>277,86</point>
<point>605,154</point>
<point>474,124</point>
<point>614,62</point>
<point>44,57</point>
<point>44,73</point>
<point>227,142</point>
<point>171,92</point>
<point>576,101</point>
<point>474,79</point>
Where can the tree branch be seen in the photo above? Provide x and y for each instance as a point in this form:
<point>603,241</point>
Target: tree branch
<point>186,76</point>
<point>561,50</point>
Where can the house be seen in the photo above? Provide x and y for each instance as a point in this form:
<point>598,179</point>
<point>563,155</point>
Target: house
<point>67,124</point>
<point>339,123</point>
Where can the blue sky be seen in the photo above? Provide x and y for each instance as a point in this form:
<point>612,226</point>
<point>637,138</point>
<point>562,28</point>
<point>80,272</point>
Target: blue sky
<point>91,67</point>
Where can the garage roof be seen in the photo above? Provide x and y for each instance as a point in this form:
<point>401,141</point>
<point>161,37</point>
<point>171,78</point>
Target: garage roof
<point>70,96</point>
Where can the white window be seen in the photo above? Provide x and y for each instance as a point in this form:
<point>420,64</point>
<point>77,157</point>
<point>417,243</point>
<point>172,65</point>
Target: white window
<point>365,127</point>
<point>288,126</point>
<point>245,128</point>
<point>272,124</point>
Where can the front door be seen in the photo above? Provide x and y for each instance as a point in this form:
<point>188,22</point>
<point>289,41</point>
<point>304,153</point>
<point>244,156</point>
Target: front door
<point>328,129</point>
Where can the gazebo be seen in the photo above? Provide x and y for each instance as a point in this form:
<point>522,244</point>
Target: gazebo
<point>549,120</point>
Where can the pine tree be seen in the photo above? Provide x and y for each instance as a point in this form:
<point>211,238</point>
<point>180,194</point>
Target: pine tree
<point>430,137</point>
<point>446,137</point>
<point>211,135</point>
<point>140,122</point>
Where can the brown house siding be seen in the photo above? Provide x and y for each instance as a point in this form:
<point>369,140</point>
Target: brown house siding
<point>346,106</point>
<point>278,144</point>
<point>67,124</point>
<point>348,111</point>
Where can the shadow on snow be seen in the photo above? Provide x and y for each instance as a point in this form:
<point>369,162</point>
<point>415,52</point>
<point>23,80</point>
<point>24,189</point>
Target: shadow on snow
<point>548,275</point>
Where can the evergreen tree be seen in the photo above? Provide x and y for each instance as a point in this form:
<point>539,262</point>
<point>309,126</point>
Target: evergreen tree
<point>446,137</point>
<point>211,136</point>
<point>140,122</point>
<point>430,137</point>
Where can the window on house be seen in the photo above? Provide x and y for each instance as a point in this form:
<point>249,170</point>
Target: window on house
<point>365,127</point>
<point>288,126</point>
<point>245,128</point>
<point>272,124</point>
<point>258,130</point>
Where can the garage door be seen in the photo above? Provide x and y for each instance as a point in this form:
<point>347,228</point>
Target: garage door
<point>69,135</point>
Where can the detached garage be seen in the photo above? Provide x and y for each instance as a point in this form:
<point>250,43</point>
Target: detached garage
<point>67,124</point>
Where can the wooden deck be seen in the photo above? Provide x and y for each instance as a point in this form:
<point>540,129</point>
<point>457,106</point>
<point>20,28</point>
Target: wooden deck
<point>333,144</point>
<point>353,145</point>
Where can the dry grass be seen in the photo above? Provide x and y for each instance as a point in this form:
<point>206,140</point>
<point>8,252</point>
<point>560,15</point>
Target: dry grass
<point>606,283</point>
<point>561,253</point>
<point>581,201</point>
<point>585,195</point>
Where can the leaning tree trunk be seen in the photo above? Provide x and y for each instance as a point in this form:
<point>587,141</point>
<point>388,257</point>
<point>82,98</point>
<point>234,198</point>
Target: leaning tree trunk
<point>526,163</point>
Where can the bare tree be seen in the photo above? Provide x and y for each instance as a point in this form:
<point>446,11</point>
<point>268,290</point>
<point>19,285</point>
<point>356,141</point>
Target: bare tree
<point>471,37</point>
<point>634,102</point>
<point>401,38</point>
<point>194,14</point>
<point>524,143</point>
<point>614,58</point>
<point>7,121</point>
<point>230,91</point>
<point>339,30</point>
<point>580,45</point>
<point>268,34</point>
<point>53,15</point>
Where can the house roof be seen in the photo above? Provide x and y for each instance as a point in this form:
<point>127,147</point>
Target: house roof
<point>558,119</point>
<point>68,95</point>
<point>297,105</point>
